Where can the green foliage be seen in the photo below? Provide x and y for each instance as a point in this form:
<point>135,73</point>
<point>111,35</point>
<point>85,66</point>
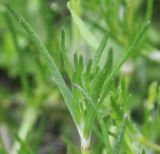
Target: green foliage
<point>118,143</point>
<point>95,86</point>
<point>86,34</point>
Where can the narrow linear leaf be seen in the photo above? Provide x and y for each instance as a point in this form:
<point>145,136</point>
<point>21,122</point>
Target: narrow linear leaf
<point>152,95</point>
<point>86,34</point>
<point>89,99</point>
<point>117,147</point>
<point>3,150</point>
<point>90,117</point>
<point>98,135</point>
<point>24,146</point>
<point>109,63</point>
<point>105,135</point>
<point>80,69</point>
<point>159,100</point>
<point>88,75</point>
<point>91,113</point>
<point>66,93</point>
<point>116,107</point>
<point>143,151</point>
<point>99,52</point>
<point>77,74</point>
<point>88,68</point>
<point>99,79</point>
<point>149,11</point>
<point>76,5</point>
<point>66,62</point>
<point>126,55</point>
<point>39,134</point>
<point>77,106</point>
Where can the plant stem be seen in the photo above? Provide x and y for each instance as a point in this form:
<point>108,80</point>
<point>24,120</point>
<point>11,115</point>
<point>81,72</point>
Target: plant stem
<point>139,137</point>
<point>85,148</point>
<point>29,118</point>
<point>85,141</point>
<point>85,151</point>
<point>76,6</point>
<point>85,144</point>
<point>146,142</point>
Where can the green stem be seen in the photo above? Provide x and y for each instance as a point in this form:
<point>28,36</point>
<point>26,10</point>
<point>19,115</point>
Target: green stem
<point>76,6</point>
<point>149,11</point>
<point>85,144</point>
<point>29,118</point>
<point>139,137</point>
<point>85,151</point>
<point>149,144</point>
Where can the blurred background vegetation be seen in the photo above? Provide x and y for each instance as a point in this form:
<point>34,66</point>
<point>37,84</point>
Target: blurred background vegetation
<point>25,80</point>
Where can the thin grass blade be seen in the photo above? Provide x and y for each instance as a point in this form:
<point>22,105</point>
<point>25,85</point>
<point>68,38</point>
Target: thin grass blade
<point>143,151</point>
<point>23,146</point>
<point>92,108</point>
<point>3,150</point>
<point>66,62</point>
<point>105,136</point>
<point>149,11</point>
<point>66,93</point>
<point>99,79</point>
<point>85,33</point>
<point>99,52</point>
<point>117,147</point>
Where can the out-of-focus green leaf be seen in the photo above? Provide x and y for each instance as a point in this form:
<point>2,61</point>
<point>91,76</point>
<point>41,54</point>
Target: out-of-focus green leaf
<point>86,34</point>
